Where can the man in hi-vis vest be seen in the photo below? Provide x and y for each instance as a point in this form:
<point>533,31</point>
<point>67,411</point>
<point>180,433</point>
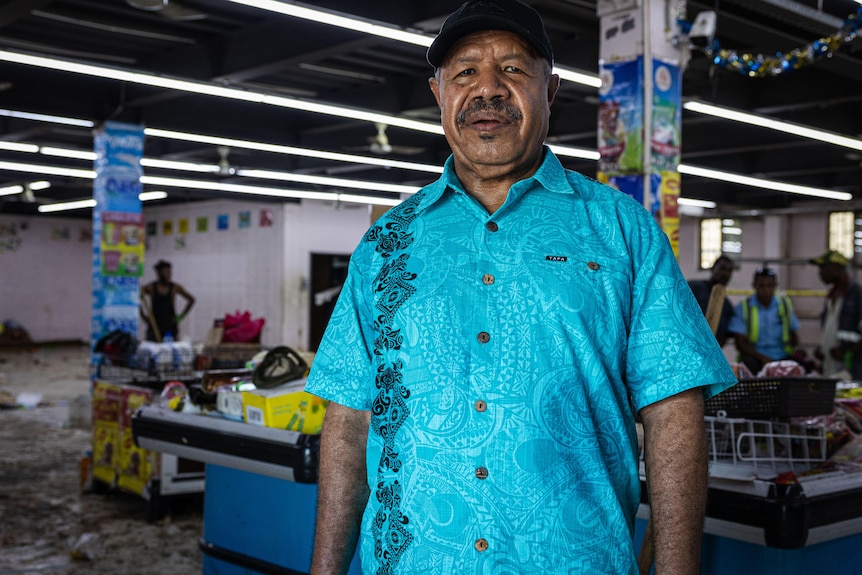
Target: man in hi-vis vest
<point>764,325</point>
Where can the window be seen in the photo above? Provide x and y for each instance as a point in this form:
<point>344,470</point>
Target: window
<point>842,231</point>
<point>719,236</point>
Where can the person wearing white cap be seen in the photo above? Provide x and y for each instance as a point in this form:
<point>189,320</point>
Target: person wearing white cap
<point>494,335</point>
<point>840,347</point>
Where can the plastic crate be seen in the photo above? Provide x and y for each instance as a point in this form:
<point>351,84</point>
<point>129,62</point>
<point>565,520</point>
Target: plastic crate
<point>775,397</point>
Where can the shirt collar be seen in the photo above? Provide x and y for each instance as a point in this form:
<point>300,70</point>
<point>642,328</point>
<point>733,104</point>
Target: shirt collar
<point>551,175</point>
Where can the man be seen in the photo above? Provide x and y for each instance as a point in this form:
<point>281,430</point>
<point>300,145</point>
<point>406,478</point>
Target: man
<point>764,327</point>
<point>841,318</point>
<point>158,305</point>
<point>721,272</point>
<point>492,336</point>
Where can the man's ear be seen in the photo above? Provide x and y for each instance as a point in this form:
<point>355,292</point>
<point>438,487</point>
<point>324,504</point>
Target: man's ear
<point>553,86</point>
<point>435,88</point>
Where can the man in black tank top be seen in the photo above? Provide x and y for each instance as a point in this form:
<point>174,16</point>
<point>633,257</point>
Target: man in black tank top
<point>158,307</point>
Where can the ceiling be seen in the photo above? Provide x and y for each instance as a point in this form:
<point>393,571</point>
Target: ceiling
<point>220,42</point>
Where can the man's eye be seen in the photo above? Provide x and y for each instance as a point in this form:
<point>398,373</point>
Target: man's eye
<point>467,72</point>
<point>513,69</point>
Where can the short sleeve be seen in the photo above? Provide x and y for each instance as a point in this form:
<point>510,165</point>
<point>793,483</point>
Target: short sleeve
<point>671,347</point>
<point>736,325</point>
<point>342,366</point>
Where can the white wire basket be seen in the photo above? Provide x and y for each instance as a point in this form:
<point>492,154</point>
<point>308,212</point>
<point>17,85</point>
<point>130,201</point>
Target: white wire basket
<point>763,448</point>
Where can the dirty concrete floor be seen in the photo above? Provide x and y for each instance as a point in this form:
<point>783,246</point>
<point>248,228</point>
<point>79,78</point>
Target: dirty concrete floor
<point>50,526</point>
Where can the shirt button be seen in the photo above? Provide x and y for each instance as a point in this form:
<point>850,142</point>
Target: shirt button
<point>482,473</point>
<point>483,337</point>
<point>487,279</point>
<point>481,545</point>
<point>480,405</point>
<point>492,226</point>
<point>593,266</point>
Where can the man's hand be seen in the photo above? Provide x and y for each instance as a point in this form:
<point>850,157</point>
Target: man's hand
<point>675,457</point>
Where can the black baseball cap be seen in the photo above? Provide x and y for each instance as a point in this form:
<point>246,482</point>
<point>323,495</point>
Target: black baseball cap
<point>478,15</point>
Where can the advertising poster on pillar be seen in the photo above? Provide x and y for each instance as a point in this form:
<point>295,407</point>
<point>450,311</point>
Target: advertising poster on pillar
<point>118,229</point>
<point>620,122</point>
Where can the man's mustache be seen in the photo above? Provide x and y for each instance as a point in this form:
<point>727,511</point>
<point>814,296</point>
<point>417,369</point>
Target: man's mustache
<point>497,106</point>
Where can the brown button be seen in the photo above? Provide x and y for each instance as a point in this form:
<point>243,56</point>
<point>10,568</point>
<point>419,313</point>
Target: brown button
<point>483,337</point>
<point>492,226</point>
<point>481,545</point>
<point>481,473</point>
<point>487,279</point>
<point>593,266</point>
<point>480,405</point>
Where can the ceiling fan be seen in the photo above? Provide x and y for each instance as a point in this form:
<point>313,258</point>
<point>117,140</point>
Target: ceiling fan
<point>168,9</point>
<point>379,144</point>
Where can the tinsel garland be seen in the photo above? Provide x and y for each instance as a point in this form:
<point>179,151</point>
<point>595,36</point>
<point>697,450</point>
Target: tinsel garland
<point>760,66</point>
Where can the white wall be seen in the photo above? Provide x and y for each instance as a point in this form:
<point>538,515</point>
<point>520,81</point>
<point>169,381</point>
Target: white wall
<point>263,270</point>
<point>45,276</point>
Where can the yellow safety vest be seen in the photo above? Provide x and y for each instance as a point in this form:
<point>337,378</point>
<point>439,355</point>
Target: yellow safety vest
<point>752,321</point>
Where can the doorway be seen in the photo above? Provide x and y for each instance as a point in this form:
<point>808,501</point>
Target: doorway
<point>328,272</point>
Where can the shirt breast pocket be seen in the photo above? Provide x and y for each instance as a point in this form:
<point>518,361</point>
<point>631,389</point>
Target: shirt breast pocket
<point>582,289</point>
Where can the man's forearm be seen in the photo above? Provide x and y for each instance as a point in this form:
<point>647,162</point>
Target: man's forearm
<point>342,489</point>
<point>676,468</point>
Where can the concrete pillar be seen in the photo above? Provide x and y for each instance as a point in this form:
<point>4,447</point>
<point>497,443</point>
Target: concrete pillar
<point>640,112</point>
<point>118,229</point>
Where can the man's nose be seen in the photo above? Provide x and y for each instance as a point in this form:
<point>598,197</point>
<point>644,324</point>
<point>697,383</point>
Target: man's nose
<point>490,85</point>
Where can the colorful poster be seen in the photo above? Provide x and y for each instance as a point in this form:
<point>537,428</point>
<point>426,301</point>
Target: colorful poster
<point>620,122</point>
<point>122,244</point>
<point>266,218</point>
<point>202,225</point>
<point>152,229</point>
<point>666,117</point>
<point>223,222</point>
<point>183,226</point>
<point>116,189</point>
<point>167,227</point>
<point>244,219</point>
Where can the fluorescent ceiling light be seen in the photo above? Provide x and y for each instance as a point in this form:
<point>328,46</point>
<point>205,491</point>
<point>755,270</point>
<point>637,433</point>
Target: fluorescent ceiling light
<point>18,147</point>
<point>183,166</point>
<point>788,128</point>
<point>47,118</point>
<point>40,185</point>
<point>355,23</point>
<point>695,203</point>
<point>47,170</point>
<point>290,150</point>
<point>216,90</point>
<point>64,206</point>
<point>150,196</point>
<point>579,77</point>
<point>10,190</point>
<point>765,184</point>
<point>68,153</point>
<point>91,203</point>
<point>575,152</point>
<point>327,181</point>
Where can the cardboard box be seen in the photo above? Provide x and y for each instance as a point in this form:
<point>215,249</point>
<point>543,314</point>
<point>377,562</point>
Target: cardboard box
<point>287,406</point>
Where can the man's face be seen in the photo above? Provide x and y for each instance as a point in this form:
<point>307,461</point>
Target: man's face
<point>495,100</point>
<point>830,273</point>
<point>722,272</point>
<point>764,286</point>
<point>165,274</point>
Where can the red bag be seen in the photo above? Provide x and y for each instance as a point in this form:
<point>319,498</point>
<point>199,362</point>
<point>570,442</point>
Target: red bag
<point>241,328</point>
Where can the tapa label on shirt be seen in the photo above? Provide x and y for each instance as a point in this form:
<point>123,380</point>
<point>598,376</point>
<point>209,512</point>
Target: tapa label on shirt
<point>556,258</point>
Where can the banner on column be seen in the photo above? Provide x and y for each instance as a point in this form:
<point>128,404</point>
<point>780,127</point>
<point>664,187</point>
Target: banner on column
<point>118,251</point>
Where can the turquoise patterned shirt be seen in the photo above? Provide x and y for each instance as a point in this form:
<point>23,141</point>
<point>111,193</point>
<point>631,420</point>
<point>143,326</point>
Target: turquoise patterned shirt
<point>500,356</point>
